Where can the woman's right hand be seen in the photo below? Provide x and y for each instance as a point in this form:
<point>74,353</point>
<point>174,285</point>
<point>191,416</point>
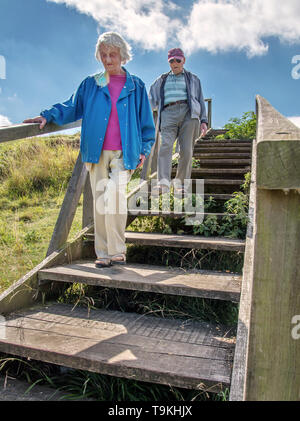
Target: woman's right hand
<point>39,119</point>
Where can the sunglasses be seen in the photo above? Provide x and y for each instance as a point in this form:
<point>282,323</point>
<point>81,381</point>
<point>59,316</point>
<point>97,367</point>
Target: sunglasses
<point>175,59</point>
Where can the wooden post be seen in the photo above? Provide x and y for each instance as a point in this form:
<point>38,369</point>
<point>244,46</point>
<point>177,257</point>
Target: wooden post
<point>87,211</point>
<point>150,164</point>
<point>69,206</point>
<point>209,111</point>
<point>273,351</point>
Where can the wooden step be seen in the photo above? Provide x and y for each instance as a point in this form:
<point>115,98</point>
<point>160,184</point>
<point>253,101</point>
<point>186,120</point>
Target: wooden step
<point>223,181</point>
<point>216,172</point>
<point>223,161</point>
<point>180,353</point>
<point>149,278</point>
<point>214,132</point>
<point>183,241</point>
<point>220,149</point>
<point>215,155</point>
<point>172,214</point>
<point>224,142</point>
<point>215,196</point>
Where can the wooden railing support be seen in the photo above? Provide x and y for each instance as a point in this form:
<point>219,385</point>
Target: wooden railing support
<point>87,211</point>
<point>69,206</point>
<point>272,360</point>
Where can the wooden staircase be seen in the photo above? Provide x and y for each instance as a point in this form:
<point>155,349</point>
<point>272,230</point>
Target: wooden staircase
<point>182,353</point>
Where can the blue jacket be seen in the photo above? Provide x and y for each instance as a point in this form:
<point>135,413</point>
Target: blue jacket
<point>92,103</point>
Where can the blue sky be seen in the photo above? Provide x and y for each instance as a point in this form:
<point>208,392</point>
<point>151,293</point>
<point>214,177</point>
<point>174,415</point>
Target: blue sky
<point>237,48</point>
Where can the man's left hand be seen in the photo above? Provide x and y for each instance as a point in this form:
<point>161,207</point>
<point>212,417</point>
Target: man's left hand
<point>203,129</point>
<point>142,159</point>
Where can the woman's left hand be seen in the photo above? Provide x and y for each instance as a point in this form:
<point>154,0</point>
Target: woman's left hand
<point>142,159</point>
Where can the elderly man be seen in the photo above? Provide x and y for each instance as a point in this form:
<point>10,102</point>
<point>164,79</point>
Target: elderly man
<point>178,97</point>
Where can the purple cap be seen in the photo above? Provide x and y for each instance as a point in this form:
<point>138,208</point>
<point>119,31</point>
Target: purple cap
<point>175,53</point>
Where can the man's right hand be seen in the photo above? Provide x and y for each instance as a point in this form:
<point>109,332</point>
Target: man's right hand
<point>38,119</point>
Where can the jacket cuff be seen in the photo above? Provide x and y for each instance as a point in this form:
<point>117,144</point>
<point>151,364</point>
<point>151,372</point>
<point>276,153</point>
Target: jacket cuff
<point>47,115</point>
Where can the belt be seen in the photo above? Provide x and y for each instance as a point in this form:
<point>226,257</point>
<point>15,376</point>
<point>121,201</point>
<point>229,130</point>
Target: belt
<point>182,101</point>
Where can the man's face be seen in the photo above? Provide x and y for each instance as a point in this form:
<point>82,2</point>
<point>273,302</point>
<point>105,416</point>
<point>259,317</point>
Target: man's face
<point>111,59</point>
<point>175,66</point>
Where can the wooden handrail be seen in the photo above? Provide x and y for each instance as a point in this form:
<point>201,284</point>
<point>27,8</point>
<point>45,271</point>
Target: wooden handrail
<point>24,130</point>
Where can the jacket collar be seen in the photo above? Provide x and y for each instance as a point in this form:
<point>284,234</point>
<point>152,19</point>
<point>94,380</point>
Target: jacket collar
<point>101,80</point>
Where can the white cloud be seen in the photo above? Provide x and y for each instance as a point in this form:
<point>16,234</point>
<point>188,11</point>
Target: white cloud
<point>295,120</point>
<point>4,121</point>
<point>241,25</point>
<point>211,25</point>
<point>142,21</point>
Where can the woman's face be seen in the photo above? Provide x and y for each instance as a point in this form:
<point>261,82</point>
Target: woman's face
<point>111,59</point>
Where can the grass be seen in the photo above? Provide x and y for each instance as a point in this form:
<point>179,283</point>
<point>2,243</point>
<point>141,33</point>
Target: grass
<point>30,201</point>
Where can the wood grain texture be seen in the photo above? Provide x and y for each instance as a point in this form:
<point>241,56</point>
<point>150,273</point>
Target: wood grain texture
<point>21,131</point>
<point>158,279</point>
<point>271,125</point>
<point>69,206</point>
<point>278,164</point>
<point>273,361</point>
<point>184,241</point>
<point>239,371</point>
<point>273,369</point>
<point>175,352</point>
<point>278,150</point>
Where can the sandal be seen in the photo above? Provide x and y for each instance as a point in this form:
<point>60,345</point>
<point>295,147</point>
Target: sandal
<point>118,259</point>
<point>103,262</point>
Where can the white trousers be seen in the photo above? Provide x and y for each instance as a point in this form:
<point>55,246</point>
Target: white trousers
<point>109,180</point>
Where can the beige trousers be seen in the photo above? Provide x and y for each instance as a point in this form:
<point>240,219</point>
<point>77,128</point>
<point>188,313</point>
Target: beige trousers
<point>108,182</point>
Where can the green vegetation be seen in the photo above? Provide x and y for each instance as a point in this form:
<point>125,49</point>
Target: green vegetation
<point>33,180</point>
<point>241,128</point>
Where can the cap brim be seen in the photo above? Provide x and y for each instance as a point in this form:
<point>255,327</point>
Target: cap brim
<point>179,58</point>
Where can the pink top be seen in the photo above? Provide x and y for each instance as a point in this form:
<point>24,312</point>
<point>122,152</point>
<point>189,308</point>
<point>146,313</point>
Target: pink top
<point>112,140</point>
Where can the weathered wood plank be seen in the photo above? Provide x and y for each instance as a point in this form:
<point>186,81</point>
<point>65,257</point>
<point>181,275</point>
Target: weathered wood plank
<point>223,161</point>
<point>197,215</point>
<point>181,353</point>
<point>69,206</point>
<point>273,370</point>
<point>149,278</point>
<point>21,131</point>
<point>278,164</point>
<point>217,172</point>
<point>185,241</point>
<point>222,142</point>
<point>271,125</point>
<point>239,371</point>
<point>278,149</point>
<point>87,211</point>
<point>228,155</point>
<point>221,149</point>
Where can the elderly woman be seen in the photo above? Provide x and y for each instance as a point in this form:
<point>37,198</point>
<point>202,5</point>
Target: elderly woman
<point>117,134</point>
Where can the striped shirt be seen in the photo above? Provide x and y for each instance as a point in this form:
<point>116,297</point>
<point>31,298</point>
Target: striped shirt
<point>175,88</point>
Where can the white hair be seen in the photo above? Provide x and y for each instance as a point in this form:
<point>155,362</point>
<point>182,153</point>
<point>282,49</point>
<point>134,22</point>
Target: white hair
<point>113,39</point>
